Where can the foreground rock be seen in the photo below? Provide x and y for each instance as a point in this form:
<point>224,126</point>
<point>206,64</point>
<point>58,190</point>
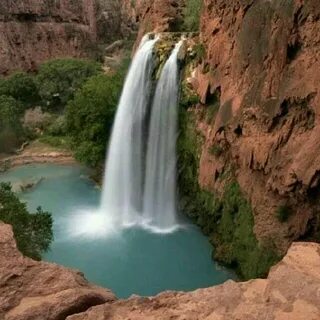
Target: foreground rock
<point>291,292</point>
<point>39,290</point>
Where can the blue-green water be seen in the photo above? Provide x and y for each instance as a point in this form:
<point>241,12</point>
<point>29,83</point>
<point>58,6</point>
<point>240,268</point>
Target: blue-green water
<point>134,261</point>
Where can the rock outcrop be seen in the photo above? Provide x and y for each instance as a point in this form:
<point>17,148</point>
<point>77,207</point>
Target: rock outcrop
<point>32,31</point>
<point>31,290</point>
<point>158,16</point>
<point>291,292</point>
<point>262,62</point>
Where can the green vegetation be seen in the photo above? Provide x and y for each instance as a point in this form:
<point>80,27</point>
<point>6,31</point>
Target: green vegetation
<point>191,14</point>
<point>283,213</point>
<point>20,86</point>
<point>58,80</point>
<point>90,116</point>
<point>11,130</point>
<point>200,52</point>
<point>79,101</point>
<point>227,219</point>
<point>33,232</point>
<point>234,240</point>
<point>54,85</point>
<point>216,150</point>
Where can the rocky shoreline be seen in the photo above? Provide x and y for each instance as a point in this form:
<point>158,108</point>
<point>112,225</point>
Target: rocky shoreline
<point>40,290</point>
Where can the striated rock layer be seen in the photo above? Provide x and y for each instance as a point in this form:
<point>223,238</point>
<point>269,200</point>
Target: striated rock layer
<point>45,291</point>
<point>32,31</point>
<point>262,62</point>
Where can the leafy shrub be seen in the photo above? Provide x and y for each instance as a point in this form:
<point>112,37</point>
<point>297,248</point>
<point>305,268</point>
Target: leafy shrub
<point>191,13</point>
<point>58,80</point>
<point>33,232</point>
<point>22,87</point>
<point>56,141</point>
<point>216,150</point>
<point>58,127</point>
<point>283,213</point>
<point>90,116</point>
<point>200,52</point>
<point>11,131</point>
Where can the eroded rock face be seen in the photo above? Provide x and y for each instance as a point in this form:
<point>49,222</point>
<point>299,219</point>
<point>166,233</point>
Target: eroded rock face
<point>32,31</point>
<point>262,60</point>
<point>31,290</point>
<point>157,16</point>
<point>292,291</point>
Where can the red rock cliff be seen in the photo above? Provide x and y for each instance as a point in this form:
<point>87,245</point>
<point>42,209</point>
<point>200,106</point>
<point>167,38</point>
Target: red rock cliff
<point>263,60</point>
<point>32,31</point>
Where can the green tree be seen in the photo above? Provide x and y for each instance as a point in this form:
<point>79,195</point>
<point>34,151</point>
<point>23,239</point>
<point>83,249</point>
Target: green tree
<point>58,80</point>
<point>33,232</point>
<point>11,130</point>
<point>22,87</point>
<point>90,116</point>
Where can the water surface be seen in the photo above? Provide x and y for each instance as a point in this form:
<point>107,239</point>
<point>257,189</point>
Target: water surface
<point>133,261</point>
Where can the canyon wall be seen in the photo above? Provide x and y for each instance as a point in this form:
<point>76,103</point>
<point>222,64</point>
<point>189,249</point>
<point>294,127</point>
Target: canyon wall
<point>33,31</point>
<point>258,117</point>
<point>32,290</point>
<point>262,62</point>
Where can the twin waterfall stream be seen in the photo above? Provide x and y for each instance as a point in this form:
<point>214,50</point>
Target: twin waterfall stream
<point>140,173</point>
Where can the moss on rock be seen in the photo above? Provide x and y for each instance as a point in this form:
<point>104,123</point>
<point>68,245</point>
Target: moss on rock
<point>227,219</point>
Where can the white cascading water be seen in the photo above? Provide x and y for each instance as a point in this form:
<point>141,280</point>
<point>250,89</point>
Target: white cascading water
<point>140,177</point>
<point>122,192</point>
<point>159,207</point>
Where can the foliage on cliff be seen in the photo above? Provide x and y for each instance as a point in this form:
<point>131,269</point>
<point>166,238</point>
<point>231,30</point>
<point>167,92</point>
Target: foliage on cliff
<point>191,15</point>
<point>33,232</point>
<point>226,219</point>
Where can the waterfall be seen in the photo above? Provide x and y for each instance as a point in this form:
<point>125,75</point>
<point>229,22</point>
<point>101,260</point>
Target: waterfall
<point>140,176</point>
<point>159,208</point>
<point>124,173</point>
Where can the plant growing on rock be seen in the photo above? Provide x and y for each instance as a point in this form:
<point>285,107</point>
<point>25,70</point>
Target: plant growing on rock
<point>216,150</point>
<point>33,232</point>
<point>283,213</point>
<point>227,219</point>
